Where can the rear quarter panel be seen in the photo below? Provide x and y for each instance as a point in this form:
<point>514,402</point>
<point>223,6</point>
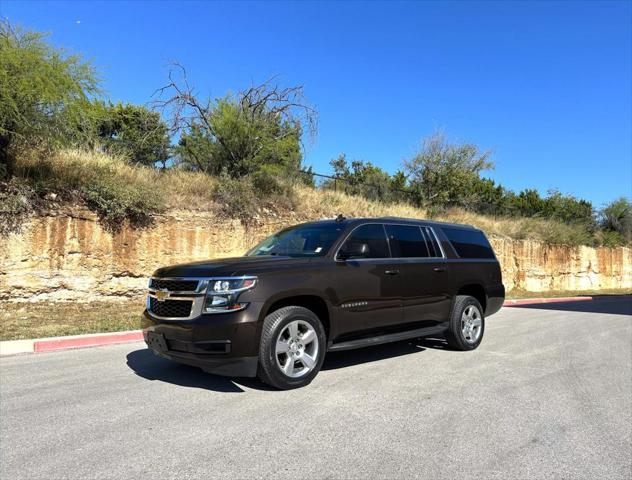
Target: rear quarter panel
<point>475,271</point>
<point>483,272</point>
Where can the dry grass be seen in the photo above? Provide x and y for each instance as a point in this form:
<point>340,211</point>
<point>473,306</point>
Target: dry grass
<point>548,231</point>
<point>190,190</point>
<point>72,169</point>
<point>37,320</point>
<point>326,204</point>
<point>315,203</point>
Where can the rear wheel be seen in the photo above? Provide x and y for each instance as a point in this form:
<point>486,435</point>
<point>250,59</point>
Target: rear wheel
<point>292,348</point>
<point>467,324</point>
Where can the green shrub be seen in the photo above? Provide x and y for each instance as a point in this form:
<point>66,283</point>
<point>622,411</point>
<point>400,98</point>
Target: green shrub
<point>616,220</point>
<point>116,201</point>
<point>132,131</point>
<point>611,238</point>
<point>270,180</point>
<point>236,198</point>
<point>115,190</point>
<point>559,233</point>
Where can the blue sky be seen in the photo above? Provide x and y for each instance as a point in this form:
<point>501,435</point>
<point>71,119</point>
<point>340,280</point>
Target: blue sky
<point>547,86</point>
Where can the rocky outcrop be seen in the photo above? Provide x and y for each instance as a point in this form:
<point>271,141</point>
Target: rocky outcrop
<point>537,267</point>
<point>69,256</point>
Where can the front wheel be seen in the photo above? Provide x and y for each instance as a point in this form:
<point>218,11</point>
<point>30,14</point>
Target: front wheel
<point>292,348</point>
<point>467,324</point>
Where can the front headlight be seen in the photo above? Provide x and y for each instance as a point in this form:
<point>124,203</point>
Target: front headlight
<point>222,294</point>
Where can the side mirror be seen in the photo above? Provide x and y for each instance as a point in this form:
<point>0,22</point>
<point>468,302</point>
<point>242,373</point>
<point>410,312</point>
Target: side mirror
<point>353,250</point>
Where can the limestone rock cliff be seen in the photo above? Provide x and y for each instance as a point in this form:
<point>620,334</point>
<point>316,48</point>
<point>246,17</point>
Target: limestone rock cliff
<point>69,256</point>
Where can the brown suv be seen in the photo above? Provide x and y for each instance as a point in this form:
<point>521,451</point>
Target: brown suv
<point>324,286</point>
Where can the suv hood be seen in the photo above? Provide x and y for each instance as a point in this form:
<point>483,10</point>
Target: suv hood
<point>236,266</point>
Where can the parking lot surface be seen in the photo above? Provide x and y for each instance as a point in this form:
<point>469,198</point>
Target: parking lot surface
<point>547,395</point>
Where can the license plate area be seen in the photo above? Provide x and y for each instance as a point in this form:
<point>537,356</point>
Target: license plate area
<point>156,341</point>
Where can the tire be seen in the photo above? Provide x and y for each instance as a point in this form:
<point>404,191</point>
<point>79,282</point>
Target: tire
<point>467,324</point>
<point>292,348</point>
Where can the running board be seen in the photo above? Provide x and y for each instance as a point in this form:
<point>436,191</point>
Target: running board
<point>387,338</point>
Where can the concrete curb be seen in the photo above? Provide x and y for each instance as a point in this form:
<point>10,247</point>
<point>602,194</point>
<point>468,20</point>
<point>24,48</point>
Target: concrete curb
<point>53,344</point>
<point>535,301</point>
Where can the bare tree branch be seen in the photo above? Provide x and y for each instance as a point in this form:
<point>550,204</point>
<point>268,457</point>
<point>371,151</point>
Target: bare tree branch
<point>277,111</point>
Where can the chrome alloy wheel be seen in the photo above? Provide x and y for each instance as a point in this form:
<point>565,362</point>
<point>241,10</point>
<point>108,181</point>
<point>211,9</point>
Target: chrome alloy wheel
<point>471,324</point>
<point>296,349</point>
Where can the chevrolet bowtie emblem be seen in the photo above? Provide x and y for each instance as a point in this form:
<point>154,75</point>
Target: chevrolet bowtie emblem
<point>162,295</point>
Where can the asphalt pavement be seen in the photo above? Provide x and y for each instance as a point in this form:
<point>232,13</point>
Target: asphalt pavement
<point>548,394</point>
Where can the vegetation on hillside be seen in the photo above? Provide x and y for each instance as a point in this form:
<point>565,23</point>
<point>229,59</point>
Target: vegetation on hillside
<point>43,94</point>
<point>138,192</point>
<point>241,155</point>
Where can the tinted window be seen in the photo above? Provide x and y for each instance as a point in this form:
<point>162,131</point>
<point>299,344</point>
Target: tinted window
<point>373,236</point>
<point>406,241</point>
<point>303,240</point>
<point>431,241</point>
<point>469,243</point>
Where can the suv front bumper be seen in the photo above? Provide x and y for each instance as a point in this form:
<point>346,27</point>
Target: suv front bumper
<point>222,344</point>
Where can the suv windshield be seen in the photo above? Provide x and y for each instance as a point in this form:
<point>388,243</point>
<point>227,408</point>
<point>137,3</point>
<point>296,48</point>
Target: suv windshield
<point>309,240</point>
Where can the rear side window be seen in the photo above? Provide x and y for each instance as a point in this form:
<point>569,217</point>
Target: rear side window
<point>469,243</point>
<point>406,241</point>
<point>374,237</point>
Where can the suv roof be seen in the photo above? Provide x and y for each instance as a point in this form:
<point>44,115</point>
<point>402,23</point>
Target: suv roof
<point>414,221</point>
<point>431,222</point>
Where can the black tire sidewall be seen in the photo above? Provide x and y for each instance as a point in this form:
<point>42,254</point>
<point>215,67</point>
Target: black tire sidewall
<point>273,325</point>
<point>456,338</point>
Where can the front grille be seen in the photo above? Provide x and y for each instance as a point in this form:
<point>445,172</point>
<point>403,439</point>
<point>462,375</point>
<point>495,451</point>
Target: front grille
<point>170,308</point>
<point>174,285</point>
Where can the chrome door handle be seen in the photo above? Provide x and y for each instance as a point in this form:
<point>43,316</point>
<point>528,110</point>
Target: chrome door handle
<point>439,269</point>
<point>391,272</point>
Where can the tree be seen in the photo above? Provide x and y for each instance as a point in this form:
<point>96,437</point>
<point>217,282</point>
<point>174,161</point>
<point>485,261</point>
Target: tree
<point>133,131</point>
<point>617,217</point>
<point>442,174</point>
<point>568,208</point>
<point>195,149</point>
<point>238,135</point>
<point>43,91</point>
<point>488,197</point>
<point>528,203</point>
<point>365,179</point>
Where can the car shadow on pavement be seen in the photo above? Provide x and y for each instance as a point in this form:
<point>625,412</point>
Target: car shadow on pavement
<point>147,365</point>
<point>349,358</point>
<point>614,305</point>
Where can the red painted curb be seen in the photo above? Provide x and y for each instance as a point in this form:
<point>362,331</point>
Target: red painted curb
<point>534,301</point>
<point>86,341</point>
